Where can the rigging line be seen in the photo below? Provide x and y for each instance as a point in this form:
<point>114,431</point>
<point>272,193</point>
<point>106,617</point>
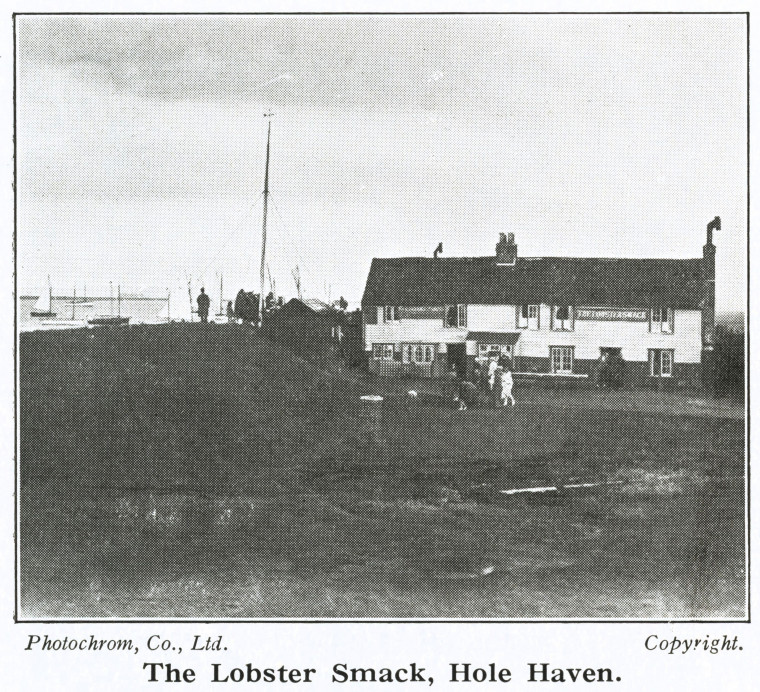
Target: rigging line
<point>236,228</point>
<point>294,243</point>
<point>280,252</point>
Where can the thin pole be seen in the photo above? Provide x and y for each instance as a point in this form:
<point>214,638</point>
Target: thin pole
<point>221,292</point>
<point>264,226</point>
<point>74,303</point>
<point>118,300</point>
<point>110,291</point>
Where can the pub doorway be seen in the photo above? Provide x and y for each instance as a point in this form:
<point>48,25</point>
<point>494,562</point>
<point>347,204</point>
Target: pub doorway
<point>610,368</point>
<point>457,356</point>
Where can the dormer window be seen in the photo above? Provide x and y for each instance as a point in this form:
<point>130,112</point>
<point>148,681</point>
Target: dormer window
<point>661,320</point>
<point>455,315</point>
<point>528,317</point>
<point>390,313</point>
<point>562,318</point>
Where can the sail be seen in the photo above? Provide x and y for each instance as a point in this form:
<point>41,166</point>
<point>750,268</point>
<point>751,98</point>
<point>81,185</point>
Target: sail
<point>177,308</point>
<point>43,303</point>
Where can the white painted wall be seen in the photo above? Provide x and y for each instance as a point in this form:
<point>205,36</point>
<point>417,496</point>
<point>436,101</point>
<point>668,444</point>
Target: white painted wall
<point>491,318</point>
<point>634,338</point>
<point>413,331</point>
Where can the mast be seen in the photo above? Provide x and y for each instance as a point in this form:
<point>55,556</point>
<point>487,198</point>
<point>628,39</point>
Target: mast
<point>74,303</point>
<point>264,225</point>
<point>118,300</point>
<point>221,292</point>
<point>110,291</point>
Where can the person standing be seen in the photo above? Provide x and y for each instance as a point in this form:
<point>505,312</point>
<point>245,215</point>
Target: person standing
<point>492,365</point>
<point>203,305</point>
<point>496,389</point>
<point>507,382</point>
<point>452,390</point>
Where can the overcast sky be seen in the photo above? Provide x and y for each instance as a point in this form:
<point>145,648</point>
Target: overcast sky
<point>141,140</point>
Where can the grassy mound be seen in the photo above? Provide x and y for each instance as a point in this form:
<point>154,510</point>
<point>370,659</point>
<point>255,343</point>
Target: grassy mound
<point>201,470</point>
<point>178,404</point>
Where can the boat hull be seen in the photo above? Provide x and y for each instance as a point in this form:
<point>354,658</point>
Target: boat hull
<point>63,324</point>
<point>108,321</point>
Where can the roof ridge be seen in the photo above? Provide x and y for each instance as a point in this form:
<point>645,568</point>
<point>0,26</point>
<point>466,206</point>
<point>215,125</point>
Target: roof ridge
<point>544,257</point>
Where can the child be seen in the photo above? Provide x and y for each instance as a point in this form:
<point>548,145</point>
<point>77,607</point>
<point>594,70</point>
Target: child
<point>507,382</point>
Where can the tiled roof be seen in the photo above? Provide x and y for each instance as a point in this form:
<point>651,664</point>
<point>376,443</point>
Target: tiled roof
<point>419,281</point>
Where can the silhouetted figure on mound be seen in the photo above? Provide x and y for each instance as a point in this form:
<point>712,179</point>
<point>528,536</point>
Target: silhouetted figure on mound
<point>203,304</point>
<point>247,306</point>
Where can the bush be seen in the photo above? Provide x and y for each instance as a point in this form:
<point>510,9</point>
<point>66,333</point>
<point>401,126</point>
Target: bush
<point>729,360</point>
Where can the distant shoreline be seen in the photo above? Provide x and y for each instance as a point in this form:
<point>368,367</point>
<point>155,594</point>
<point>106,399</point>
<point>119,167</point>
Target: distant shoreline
<point>100,298</point>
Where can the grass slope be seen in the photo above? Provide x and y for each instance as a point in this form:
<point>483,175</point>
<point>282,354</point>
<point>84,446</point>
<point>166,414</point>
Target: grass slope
<point>202,471</point>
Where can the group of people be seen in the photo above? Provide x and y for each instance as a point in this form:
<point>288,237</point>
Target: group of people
<point>245,307</point>
<point>493,376</point>
<point>500,381</point>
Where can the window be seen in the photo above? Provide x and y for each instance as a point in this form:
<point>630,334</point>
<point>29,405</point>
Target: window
<point>661,362</point>
<point>561,359</point>
<point>418,353</point>
<point>461,315</point>
<point>390,313</point>
<point>527,316</point>
<point>455,316</point>
<point>382,351</point>
<point>661,320</point>
<point>562,318</point>
<point>486,351</point>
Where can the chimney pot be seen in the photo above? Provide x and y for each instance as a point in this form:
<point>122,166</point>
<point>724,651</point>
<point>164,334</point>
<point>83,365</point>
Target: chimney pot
<point>506,250</point>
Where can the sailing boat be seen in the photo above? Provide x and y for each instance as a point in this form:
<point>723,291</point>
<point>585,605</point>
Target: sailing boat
<point>62,322</point>
<point>110,320</point>
<point>42,306</point>
<point>177,308</point>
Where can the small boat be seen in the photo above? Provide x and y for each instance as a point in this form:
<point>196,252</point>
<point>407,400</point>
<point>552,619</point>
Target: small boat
<point>63,323</point>
<point>42,306</point>
<point>178,307</point>
<point>107,320</point>
<point>110,320</point>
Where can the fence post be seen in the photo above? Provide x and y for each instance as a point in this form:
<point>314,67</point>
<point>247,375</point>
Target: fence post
<point>371,416</point>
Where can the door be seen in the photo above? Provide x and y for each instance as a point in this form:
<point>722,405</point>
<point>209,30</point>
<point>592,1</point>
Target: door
<point>611,367</point>
<point>457,356</point>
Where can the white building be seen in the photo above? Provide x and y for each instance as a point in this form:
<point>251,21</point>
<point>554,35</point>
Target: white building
<point>548,316</point>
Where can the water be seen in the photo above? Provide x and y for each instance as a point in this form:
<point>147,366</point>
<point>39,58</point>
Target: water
<point>137,309</point>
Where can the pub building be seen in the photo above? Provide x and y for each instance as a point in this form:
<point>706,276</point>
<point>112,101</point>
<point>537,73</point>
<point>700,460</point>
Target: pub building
<point>643,321</point>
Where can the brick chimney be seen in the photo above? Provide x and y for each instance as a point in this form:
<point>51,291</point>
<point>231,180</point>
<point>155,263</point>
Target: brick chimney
<point>708,306</point>
<point>506,250</point>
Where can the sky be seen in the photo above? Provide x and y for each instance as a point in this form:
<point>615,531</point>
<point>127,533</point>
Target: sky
<point>141,142</point>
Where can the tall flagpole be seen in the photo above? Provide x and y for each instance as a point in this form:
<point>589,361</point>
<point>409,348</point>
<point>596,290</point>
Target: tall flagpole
<point>264,226</point>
